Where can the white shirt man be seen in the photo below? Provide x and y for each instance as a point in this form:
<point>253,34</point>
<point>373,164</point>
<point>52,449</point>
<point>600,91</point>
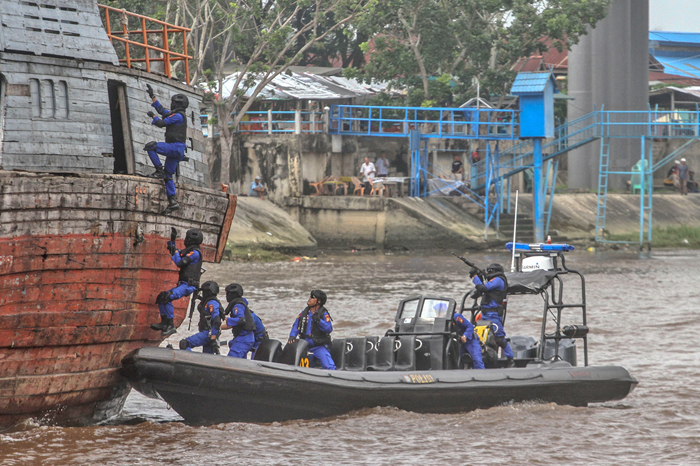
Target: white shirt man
<point>367,170</point>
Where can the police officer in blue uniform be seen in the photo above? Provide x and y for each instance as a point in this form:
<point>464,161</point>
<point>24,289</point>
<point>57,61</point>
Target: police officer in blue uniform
<point>240,320</point>
<point>175,123</point>
<point>493,296</point>
<point>189,260</point>
<point>314,324</point>
<point>209,321</point>
<point>470,341</point>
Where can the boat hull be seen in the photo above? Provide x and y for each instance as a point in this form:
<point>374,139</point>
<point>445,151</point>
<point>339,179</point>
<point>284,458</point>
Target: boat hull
<point>206,389</point>
<point>81,261</point>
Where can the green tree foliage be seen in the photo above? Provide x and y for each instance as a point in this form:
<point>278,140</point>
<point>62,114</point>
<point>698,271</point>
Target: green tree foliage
<point>260,38</point>
<point>413,41</point>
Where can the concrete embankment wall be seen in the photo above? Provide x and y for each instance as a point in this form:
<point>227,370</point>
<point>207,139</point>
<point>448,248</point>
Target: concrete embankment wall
<point>393,223</point>
<point>347,222</point>
<point>263,224</point>
<point>574,215</point>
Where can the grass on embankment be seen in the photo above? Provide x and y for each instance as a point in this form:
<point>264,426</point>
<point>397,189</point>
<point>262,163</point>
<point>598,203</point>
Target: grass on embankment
<point>669,237</point>
<point>253,253</point>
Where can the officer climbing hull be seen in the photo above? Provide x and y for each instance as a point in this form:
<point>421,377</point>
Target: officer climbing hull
<point>82,233</point>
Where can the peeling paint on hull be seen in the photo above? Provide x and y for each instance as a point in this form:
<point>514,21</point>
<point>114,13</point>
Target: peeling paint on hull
<point>78,284</point>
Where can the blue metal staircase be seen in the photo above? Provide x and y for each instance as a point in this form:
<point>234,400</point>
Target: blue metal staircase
<point>492,126</point>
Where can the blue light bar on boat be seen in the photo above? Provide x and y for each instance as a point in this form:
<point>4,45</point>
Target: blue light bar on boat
<point>540,247</point>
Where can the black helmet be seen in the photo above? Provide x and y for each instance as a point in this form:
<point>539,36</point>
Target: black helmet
<point>234,290</point>
<point>494,268</point>
<point>193,237</point>
<point>179,101</point>
<point>209,288</point>
<point>320,295</point>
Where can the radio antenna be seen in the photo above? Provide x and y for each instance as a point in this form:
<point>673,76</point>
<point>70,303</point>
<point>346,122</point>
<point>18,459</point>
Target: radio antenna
<point>515,227</point>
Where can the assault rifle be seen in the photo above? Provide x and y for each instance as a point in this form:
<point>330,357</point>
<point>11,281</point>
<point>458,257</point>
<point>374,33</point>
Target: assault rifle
<point>193,304</point>
<point>481,273</point>
<point>171,245</point>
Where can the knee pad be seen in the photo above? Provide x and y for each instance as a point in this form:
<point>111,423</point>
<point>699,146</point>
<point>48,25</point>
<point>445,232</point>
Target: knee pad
<point>500,341</point>
<point>163,297</point>
<point>184,344</point>
<point>150,145</point>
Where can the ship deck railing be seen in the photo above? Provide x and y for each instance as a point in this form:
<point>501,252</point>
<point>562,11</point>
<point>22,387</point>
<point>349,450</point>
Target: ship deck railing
<point>166,32</point>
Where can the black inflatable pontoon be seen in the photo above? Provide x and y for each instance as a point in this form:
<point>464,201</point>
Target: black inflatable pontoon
<point>415,366</point>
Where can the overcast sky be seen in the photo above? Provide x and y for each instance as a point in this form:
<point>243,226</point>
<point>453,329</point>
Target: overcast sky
<point>674,15</point>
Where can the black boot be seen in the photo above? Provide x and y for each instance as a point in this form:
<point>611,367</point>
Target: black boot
<point>510,363</point>
<point>161,325</point>
<point>169,328</point>
<point>158,174</point>
<point>172,206</point>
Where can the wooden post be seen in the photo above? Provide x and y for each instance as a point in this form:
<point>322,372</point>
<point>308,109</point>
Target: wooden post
<point>187,61</point>
<point>297,121</point>
<point>166,55</point>
<point>269,121</point>
<point>145,43</point>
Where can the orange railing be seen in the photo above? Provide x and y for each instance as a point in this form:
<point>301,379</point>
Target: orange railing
<point>164,35</point>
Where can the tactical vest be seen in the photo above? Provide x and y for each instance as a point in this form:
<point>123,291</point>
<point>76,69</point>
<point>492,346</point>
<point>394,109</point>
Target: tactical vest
<point>247,323</point>
<point>318,336</point>
<point>260,331</point>
<point>177,133</point>
<point>192,272</point>
<point>205,319</point>
<point>499,296</point>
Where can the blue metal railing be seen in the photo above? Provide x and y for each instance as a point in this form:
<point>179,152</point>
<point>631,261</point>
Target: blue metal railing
<point>459,123</point>
<point>600,123</point>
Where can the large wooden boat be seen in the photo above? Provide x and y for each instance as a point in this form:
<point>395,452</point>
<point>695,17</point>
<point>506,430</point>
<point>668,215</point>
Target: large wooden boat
<point>82,239</point>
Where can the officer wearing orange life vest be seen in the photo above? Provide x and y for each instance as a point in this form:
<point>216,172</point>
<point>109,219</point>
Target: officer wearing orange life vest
<point>314,325</point>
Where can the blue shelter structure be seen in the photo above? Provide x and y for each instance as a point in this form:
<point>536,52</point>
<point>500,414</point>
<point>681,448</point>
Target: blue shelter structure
<point>535,91</point>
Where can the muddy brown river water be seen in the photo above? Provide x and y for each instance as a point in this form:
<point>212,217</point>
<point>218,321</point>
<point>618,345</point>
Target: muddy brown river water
<point>643,312</point>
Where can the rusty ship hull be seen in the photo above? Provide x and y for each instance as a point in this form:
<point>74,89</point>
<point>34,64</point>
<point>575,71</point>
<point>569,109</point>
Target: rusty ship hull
<point>82,237</point>
<point>81,260</point>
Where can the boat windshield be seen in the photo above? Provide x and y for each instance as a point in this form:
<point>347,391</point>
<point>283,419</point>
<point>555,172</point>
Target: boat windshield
<point>409,309</point>
<point>434,308</point>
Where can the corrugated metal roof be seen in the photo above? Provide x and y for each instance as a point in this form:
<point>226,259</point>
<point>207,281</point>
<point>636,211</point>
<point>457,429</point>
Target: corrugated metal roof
<point>692,91</point>
<point>531,82</point>
<point>680,63</point>
<point>675,38</point>
<point>307,86</point>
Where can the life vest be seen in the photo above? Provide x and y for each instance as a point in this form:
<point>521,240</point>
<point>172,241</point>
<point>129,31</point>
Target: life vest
<point>192,272</point>
<point>177,133</point>
<point>318,336</point>
<point>206,322</point>
<point>498,296</point>
<point>247,323</point>
<point>260,331</point>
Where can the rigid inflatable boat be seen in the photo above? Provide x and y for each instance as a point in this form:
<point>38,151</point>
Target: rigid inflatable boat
<point>415,366</point>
